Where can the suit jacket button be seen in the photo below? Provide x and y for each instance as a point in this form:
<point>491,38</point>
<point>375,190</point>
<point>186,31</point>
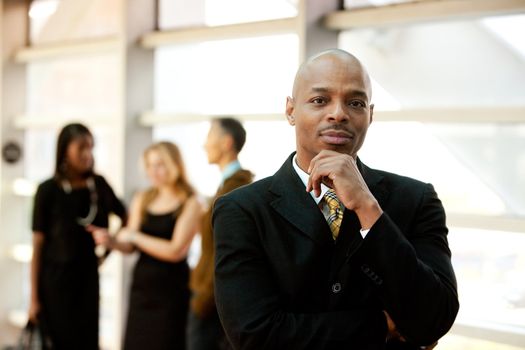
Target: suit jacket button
<point>336,287</point>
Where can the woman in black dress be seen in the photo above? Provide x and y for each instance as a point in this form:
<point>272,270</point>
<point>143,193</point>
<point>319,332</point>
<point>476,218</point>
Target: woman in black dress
<point>163,220</point>
<point>64,269</point>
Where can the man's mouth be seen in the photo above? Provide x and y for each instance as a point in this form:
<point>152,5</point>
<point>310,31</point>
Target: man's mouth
<point>336,137</point>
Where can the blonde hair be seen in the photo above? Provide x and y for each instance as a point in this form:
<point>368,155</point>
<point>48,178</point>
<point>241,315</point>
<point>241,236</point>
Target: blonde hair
<point>172,158</point>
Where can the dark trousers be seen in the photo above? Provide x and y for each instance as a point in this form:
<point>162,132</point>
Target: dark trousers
<point>206,334</point>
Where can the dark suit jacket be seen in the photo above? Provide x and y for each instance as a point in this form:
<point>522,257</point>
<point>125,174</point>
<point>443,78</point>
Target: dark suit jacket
<point>283,283</point>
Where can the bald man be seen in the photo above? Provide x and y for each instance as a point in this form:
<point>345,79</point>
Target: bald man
<point>328,253</point>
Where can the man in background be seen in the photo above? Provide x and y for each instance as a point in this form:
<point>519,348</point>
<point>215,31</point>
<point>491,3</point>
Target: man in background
<point>223,145</point>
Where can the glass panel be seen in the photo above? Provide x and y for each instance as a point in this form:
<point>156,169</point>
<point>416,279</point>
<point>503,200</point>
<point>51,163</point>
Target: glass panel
<point>57,20</point>
<point>74,87</point>
<point>449,64</point>
<point>235,76</point>
<point>353,4</point>
<point>181,13</point>
<point>40,152</point>
<point>476,168</point>
<point>490,266</point>
<point>508,29</point>
<point>262,161</point>
<point>190,138</point>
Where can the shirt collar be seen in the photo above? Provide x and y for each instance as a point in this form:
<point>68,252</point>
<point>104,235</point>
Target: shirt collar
<point>304,178</point>
<point>230,169</point>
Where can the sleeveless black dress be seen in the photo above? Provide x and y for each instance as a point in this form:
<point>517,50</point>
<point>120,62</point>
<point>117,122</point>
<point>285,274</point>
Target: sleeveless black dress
<point>159,297</point>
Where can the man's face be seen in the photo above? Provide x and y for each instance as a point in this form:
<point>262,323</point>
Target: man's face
<point>331,108</point>
<point>214,143</point>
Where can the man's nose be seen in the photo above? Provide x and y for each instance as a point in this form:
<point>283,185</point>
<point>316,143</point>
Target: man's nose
<point>338,112</point>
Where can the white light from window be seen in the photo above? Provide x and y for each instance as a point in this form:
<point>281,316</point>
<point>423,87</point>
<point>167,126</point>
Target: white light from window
<point>510,29</point>
<point>353,4</point>
<point>382,99</point>
<point>220,12</point>
<point>21,252</point>
<point>43,8</point>
<point>24,187</point>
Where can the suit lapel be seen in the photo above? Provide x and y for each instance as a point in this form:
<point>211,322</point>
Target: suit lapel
<point>373,181</point>
<point>296,205</point>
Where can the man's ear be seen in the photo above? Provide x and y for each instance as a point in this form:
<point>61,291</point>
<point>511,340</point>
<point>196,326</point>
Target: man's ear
<point>290,110</point>
<point>371,114</point>
<point>227,142</point>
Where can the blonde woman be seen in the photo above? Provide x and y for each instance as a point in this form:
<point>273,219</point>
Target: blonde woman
<point>163,220</point>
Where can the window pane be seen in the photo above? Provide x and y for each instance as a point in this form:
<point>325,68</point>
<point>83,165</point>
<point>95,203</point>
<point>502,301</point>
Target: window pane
<point>261,154</point>
<point>60,20</point>
<point>490,266</point>
<point>73,87</point>
<point>449,64</point>
<point>352,4</point>
<point>476,168</point>
<point>181,13</point>
<point>40,152</point>
<point>234,76</point>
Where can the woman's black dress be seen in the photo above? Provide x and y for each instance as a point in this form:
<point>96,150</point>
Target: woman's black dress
<point>159,295</point>
<point>68,286</point>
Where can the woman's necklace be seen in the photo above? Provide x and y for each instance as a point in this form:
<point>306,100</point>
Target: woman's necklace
<point>93,199</point>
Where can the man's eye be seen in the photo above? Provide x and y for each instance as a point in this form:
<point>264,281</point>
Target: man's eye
<point>318,100</point>
<point>357,104</point>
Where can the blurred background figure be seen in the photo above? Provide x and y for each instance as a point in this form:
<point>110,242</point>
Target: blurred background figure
<point>223,144</point>
<point>64,269</point>
<point>163,220</point>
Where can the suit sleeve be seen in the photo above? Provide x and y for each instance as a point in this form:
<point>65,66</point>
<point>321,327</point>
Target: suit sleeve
<point>249,304</point>
<point>412,271</point>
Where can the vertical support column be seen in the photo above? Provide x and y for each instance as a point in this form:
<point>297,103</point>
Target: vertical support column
<point>313,36</point>
<point>14,209</point>
<point>136,95</point>
<point>137,88</point>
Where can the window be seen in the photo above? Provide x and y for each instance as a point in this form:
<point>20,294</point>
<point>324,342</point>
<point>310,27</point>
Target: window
<point>261,154</point>
<point>74,87</point>
<point>226,77</point>
<point>58,20</point>
<point>181,13</point>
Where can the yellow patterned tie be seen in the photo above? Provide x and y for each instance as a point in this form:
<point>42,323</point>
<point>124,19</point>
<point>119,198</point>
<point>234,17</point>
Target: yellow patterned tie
<point>336,212</point>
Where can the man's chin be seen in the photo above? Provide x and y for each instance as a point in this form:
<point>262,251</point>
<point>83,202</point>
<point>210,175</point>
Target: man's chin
<point>346,148</point>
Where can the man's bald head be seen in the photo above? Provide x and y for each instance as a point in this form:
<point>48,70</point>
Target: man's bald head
<point>340,57</point>
<point>331,105</point>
